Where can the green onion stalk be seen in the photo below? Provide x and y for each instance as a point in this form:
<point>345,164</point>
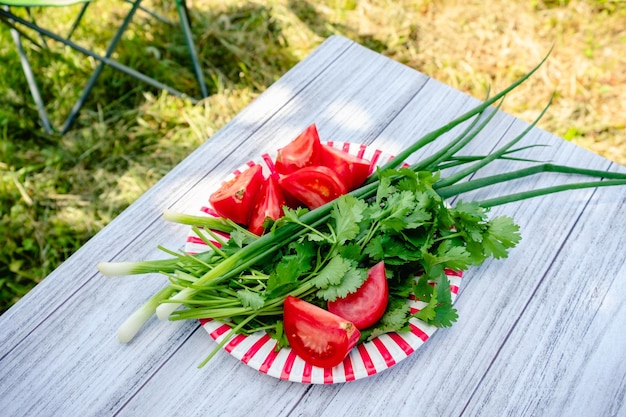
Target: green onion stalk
<point>189,274</point>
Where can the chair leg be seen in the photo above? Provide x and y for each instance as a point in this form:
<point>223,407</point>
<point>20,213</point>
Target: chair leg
<point>4,15</point>
<point>94,76</point>
<point>32,19</point>
<point>154,14</point>
<point>183,12</point>
<point>32,83</point>
<point>83,9</point>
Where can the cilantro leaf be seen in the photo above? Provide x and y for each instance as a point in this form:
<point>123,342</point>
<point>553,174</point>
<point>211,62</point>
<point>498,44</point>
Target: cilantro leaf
<point>418,217</point>
<point>285,277</point>
<point>279,335</point>
<point>422,289</point>
<point>444,295</point>
<point>290,216</point>
<point>469,211</point>
<point>501,235</point>
<point>453,256</point>
<point>445,315</point>
<point>375,249</point>
<point>349,283</point>
<point>332,273</point>
<point>438,311</point>
<point>470,219</point>
<point>427,313</point>
<point>250,299</point>
<point>395,319</point>
<point>305,252</point>
<point>347,213</point>
<point>351,251</point>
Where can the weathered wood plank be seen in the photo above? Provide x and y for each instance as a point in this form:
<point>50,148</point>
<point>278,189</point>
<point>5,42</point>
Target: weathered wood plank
<point>567,353</point>
<point>440,378</point>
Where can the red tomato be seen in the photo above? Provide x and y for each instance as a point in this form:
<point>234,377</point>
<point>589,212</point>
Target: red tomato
<point>352,169</point>
<point>367,305</point>
<point>234,199</point>
<point>269,202</point>
<point>301,152</point>
<point>320,338</point>
<point>314,186</point>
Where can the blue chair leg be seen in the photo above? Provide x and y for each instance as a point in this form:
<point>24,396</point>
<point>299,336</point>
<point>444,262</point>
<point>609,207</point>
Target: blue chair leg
<point>83,9</point>
<point>108,61</point>
<point>32,84</point>
<point>183,12</point>
<point>94,76</point>
<point>104,60</point>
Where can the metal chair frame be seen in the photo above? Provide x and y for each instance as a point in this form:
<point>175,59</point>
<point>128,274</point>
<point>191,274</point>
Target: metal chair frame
<point>14,22</point>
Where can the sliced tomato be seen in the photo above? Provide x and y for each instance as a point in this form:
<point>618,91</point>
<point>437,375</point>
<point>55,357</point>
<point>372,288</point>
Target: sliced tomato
<point>269,202</point>
<point>313,186</point>
<point>352,169</point>
<point>301,152</point>
<point>319,337</point>
<point>368,304</point>
<point>235,198</point>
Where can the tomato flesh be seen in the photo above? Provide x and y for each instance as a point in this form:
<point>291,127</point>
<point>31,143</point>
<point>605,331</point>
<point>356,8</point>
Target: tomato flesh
<point>317,336</point>
<point>301,152</point>
<point>368,304</point>
<point>235,198</point>
<point>352,169</point>
<point>313,186</point>
<point>269,202</point>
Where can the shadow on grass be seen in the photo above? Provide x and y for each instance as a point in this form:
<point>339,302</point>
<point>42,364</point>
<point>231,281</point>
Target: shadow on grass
<point>52,188</point>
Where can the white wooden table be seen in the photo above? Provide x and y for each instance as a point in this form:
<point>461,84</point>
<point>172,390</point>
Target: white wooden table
<point>540,333</point>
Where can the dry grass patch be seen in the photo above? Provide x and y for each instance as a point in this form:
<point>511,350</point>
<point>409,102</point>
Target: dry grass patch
<point>473,45</point>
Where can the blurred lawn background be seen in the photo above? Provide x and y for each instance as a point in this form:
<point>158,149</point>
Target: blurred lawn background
<point>58,191</point>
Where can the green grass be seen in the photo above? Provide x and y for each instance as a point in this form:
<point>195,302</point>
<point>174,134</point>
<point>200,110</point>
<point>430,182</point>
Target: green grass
<point>58,191</point>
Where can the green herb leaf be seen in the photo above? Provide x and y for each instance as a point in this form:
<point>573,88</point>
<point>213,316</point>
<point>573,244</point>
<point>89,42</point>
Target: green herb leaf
<point>350,282</point>
<point>332,273</point>
<point>347,214</point>
<point>453,256</point>
<point>251,299</point>
<point>501,235</point>
<point>284,278</point>
<point>395,319</point>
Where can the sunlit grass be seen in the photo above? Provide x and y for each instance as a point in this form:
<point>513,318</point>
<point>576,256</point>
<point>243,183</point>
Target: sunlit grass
<point>56,192</point>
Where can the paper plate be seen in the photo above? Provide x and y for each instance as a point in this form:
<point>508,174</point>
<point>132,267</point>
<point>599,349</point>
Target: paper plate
<point>366,359</point>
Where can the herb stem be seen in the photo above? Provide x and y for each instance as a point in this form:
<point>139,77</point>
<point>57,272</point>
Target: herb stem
<point>457,189</point>
<point>456,177</point>
<point>548,190</point>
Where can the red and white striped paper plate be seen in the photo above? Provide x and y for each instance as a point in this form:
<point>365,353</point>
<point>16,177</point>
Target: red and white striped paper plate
<point>366,359</point>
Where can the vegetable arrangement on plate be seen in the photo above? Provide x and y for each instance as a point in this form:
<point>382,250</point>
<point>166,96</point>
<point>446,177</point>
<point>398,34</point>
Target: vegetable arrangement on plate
<point>324,253</point>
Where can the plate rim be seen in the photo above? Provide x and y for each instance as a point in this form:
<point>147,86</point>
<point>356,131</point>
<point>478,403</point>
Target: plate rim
<point>364,360</point>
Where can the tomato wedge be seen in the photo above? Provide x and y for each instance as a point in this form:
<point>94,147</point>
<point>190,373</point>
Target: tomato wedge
<point>368,304</point>
<point>269,202</point>
<point>235,198</point>
<point>313,186</point>
<point>352,169</point>
<point>319,337</point>
<point>301,152</point>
